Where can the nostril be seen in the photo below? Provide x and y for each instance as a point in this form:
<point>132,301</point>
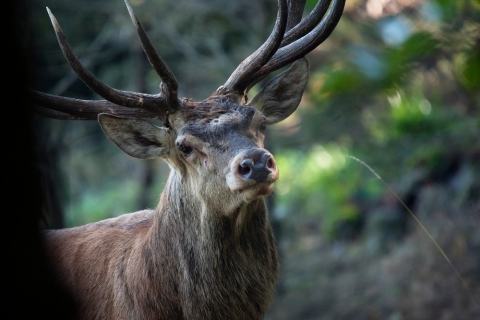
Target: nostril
<point>270,164</point>
<point>245,168</point>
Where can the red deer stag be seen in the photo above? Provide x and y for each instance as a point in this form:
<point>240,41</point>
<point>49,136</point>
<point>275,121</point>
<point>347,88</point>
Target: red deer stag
<point>207,251</point>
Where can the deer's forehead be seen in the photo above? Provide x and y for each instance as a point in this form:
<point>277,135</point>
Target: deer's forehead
<point>213,123</point>
<point>216,109</point>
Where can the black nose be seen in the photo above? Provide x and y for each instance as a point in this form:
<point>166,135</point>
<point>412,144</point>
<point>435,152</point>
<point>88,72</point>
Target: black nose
<point>257,165</point>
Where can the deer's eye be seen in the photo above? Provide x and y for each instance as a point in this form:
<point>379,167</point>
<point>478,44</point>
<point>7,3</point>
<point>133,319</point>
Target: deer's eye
<point>186,150</point>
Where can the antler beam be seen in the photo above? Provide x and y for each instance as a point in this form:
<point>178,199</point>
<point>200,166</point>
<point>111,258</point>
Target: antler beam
<point>306,43</point>
<point>299,41</point>
<point>64,108</point>
<point>119,102</point>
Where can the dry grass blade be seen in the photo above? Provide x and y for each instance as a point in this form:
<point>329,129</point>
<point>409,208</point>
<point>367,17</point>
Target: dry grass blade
<point>421,225</point>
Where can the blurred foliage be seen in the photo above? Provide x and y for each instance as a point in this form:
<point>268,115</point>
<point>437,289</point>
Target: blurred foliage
<point>398,92</point>
<point>397,85</point>
<point>323,183</point>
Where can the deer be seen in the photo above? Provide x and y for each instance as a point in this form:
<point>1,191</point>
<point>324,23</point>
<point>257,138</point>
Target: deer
<point>207,251</point>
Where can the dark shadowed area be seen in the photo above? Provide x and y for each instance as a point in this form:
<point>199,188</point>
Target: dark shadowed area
<point>397,85</point>
<point>28,287</point>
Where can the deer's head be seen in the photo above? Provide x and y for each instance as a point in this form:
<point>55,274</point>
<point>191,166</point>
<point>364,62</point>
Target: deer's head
<point>216,145</point>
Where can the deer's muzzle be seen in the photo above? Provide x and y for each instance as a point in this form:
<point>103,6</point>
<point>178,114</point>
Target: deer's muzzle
<point>251,168</point>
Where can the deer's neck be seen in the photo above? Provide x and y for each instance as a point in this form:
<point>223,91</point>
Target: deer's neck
<point>224,264</point>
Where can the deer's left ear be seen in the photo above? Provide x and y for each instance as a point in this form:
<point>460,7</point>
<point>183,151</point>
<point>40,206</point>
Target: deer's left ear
<point>280,97</point>
<point>137,138</point>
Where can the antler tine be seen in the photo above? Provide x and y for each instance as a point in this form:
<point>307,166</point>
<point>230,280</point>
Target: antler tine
<point>304,45</point>
<point>295,13</point>
<point>296,27</point>
<point>239,80</point>
<point>156,61</point>
<point>75,109</point>
<point>307,24</point>
<point>154,103</point>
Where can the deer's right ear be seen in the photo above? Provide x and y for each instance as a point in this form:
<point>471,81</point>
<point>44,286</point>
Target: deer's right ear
<point>137,138</point>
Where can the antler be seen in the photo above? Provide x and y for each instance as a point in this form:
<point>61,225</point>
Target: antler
<point>289,41</point>
<point>296,43</point>
<point>124,103</point>
<point>64,108</point>
<point>239,79</point>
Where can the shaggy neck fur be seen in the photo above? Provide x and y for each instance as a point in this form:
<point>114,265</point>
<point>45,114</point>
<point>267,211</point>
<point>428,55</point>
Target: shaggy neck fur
<point>218,266</point>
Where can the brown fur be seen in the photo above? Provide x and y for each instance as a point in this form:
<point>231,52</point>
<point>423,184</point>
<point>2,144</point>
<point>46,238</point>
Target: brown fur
<point>190,258</point>
<point>169,264</point>
<point>207,251</point>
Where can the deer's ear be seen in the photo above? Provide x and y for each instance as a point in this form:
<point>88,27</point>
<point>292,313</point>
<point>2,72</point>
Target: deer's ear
<point>280,97</point>
<point>137,138</point>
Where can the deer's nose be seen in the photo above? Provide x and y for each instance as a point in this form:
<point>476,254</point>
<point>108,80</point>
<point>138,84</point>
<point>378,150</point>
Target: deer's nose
<point>257,165</point>
<point>250,168</point>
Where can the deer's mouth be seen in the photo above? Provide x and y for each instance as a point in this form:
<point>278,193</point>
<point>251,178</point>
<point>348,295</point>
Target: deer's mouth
<point>256,190</point>
<point>252,189</point>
